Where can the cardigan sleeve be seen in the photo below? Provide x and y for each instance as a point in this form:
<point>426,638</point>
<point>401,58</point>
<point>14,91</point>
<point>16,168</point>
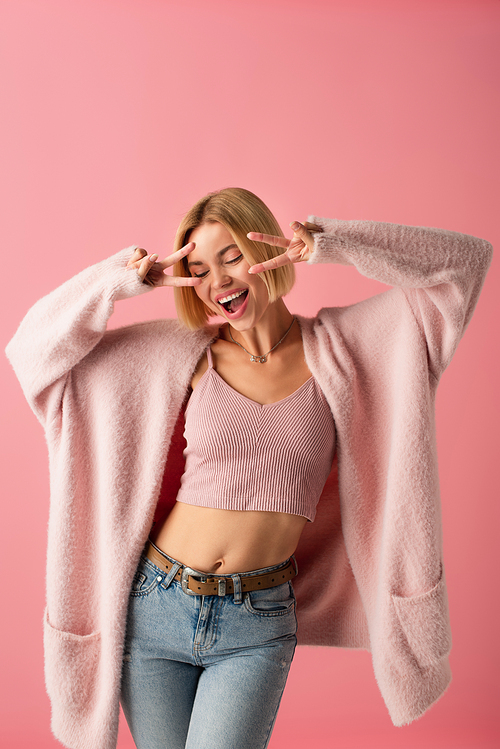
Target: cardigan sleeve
<point>64,326</point>
<point>440,272</point>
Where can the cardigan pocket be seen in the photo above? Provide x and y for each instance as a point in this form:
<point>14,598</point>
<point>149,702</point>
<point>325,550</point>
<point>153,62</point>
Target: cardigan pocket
<point>71,665</point>
<point>425,622</point>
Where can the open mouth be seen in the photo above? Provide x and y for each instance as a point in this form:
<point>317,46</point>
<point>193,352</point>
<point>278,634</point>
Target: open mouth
<point>233,302</point>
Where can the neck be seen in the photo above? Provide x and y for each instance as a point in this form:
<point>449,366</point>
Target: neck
<point>267,331</point>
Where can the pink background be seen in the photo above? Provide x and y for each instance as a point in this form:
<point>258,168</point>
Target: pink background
<point>116,116</point>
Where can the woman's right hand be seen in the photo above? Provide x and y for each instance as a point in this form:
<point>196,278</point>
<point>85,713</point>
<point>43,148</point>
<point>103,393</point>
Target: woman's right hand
<point>151,272</point>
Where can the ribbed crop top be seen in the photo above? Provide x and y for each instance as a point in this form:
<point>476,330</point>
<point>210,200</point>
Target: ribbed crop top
<point>242,455</point>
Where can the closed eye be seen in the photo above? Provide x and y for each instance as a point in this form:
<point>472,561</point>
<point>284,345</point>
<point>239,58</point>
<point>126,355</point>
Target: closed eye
<point>228,262</point>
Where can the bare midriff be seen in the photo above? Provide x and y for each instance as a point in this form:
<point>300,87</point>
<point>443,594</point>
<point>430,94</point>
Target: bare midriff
<point>228,541</point>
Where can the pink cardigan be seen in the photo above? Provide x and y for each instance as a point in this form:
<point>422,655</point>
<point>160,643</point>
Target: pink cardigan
<point>371,570</point>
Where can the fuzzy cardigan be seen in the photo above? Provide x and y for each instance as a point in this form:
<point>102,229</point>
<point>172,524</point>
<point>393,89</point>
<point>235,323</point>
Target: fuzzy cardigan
<point>371,569</point>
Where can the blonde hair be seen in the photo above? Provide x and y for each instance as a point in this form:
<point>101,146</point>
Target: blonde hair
<point>240,211</point>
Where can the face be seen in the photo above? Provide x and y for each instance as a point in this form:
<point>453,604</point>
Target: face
<point>227,289</point>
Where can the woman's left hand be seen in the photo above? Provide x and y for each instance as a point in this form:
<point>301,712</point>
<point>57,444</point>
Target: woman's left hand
<point>297,249</point>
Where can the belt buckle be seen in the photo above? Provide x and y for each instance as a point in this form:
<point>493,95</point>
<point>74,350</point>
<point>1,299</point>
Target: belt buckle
<point>188,572</point>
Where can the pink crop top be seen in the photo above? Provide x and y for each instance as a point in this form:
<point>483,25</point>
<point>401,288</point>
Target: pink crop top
<point>242,455</point>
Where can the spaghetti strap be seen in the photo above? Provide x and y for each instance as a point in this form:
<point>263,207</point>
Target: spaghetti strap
<point>209,357</point>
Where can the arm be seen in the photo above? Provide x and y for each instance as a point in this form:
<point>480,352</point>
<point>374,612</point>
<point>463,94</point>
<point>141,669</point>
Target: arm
<point>440,272</point>
<point>64,326</point>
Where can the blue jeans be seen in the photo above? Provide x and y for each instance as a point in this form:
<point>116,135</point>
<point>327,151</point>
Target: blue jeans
<point>204,672</point>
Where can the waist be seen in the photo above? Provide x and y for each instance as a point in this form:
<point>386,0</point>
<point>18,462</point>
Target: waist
<point>225,541</point>
<point>195,582</point>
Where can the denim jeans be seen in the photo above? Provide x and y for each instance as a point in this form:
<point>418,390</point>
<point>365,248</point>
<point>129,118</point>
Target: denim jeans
<point>204,672</point>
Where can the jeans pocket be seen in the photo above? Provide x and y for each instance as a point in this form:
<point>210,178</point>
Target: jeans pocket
<point>147,577</point>
<point>277,601</point>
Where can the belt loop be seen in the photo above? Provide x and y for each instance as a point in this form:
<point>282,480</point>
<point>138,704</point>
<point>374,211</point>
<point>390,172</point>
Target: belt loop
<point>173,571</point>
<point>237,588</point>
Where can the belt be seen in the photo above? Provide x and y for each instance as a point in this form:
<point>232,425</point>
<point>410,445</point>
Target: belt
<point>196,583</point>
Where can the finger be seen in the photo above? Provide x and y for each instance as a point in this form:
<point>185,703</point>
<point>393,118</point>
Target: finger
<point>176,256</point>
<point>145,266</point>
<point>268,239</point>
<point>179,281</point>
<point>312,227</point>
<point>303,234</point>
<point>272,264</point>
<point>139,253</point>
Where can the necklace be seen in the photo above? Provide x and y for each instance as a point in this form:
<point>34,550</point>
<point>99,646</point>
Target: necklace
<point>261,359</point>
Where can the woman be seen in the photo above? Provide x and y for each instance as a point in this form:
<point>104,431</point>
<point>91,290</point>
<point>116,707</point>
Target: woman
<point>268,401</point>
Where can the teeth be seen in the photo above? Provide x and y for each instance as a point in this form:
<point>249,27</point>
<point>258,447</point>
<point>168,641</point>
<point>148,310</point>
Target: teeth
<point>231,296</point>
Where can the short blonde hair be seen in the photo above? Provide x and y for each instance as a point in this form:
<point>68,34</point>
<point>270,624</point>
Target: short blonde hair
<point>240,211</point>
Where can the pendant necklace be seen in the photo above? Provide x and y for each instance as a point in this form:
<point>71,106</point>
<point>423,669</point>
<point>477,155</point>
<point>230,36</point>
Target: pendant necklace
<point>261,359</point>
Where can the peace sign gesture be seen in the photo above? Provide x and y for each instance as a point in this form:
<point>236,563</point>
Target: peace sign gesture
<point>297,249</point>
<point>151,272</point>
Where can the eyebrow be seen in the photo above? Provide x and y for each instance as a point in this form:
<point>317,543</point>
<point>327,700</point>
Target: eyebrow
<point>219,254</point>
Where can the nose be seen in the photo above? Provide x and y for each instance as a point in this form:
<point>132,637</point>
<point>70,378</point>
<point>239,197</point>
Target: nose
<point>220,278</point>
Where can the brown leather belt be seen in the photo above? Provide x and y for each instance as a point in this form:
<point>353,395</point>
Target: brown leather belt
<point>196,583</point>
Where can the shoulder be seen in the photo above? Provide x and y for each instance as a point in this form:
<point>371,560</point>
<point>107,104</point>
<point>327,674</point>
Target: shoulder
<point>146,332</point>
<point>362,319</point>
<point>147,343</point>
<point>364,334</point>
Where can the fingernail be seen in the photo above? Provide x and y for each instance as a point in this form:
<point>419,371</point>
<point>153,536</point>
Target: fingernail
<point>153,258</point>
<point>295,225</point>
